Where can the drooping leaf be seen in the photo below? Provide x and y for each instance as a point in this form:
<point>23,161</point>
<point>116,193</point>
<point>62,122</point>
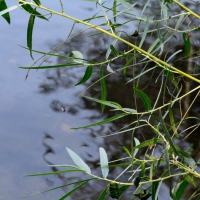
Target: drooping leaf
<point>104,162</point>
<point>69,64</point>
<point>181,189</point>
<point>145,99</point>
<point>30,33</point>
<point>172,122</point>
<point>145,32</point>
<point>32,11</point>
<point>86,76</point>
<point>113,50</point>
<point>3,7</point>
<point>104,121</point>
<point>103,88</point>
<point>56,172</point>
<point>107,103</point>
<point>37,2</point>
<point>78,161</point>
<point>73,190</point>
<point>155,189</point>
<point>186,40</point>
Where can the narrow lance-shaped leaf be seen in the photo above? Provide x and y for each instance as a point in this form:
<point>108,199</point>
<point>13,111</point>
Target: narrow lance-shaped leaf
<point>3,6</point>
<point>30,33</point>
<point>103,88</point>
<point>37,2</point>
<point>107,103</point>
<point>86,76</point>
<point>145,99</point>
<point>78,161</point>
<point>145,32</point>
<point>115,10</point>
<point>148,143</point>
<point>104,121</point>
<point>103,194</point>
<point>181,189</point>
<point>73,190</point>
<point>32,11</point>
<point>104,162</point>
<point>172,122</point>
<point>155,189</point>
<point>187,44</point>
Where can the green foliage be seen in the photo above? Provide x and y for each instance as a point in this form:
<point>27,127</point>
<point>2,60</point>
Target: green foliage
<point>147,55</point>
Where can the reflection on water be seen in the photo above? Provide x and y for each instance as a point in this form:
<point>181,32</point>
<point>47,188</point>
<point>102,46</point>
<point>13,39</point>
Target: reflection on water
<point>27,149</point>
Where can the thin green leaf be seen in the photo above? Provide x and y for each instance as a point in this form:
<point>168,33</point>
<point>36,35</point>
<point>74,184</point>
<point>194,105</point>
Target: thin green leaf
<point>148,143</point>
<point>103,194</point>
<point>86,76</point>
<point>107,103</point>
<point>30,10</point>
<point>30,33</point>
<point>123,189</point>
<point>187,44</point>
<point>190,179</point>
<point>127,64</point>
<point>37,2</point>
<point>113,50</point>
<point>69,64</point>
<point>181,189</point>
<point>114,8</point>
<point>145,32</point>
<point>145,99</point>
<point>78,161</point>
<point>73,190</point>
<point>104,162</point>
<point>62,186</point>
<point>56,172</point>
<point>127,151</point>
<point>172,122</point>
<point>3,7</point>
<point>170,76</point>
<point>167,133</point>
<point>155,189</point>
<point>143,170</point>
<point>103,88</point>
<point>104,121</point>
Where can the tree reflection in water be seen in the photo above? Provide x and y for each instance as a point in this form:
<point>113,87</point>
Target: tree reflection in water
<point>94,48</point>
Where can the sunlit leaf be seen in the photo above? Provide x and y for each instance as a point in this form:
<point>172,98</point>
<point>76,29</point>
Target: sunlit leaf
<point>73,190</point>
<point>190,179</point>
<point>187,44</point>
<point>78,161</point>
<point>103,88</point>
<point>30,33</point>
<point>104,162</point>
<point>3,7</point>
<point>107,103</point>
<point>104,121</point>
<point>86,76</point>
<point>78,56</point>
<point>145,99</point>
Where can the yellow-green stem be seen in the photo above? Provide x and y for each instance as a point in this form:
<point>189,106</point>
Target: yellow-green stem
<point>144,53</point>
